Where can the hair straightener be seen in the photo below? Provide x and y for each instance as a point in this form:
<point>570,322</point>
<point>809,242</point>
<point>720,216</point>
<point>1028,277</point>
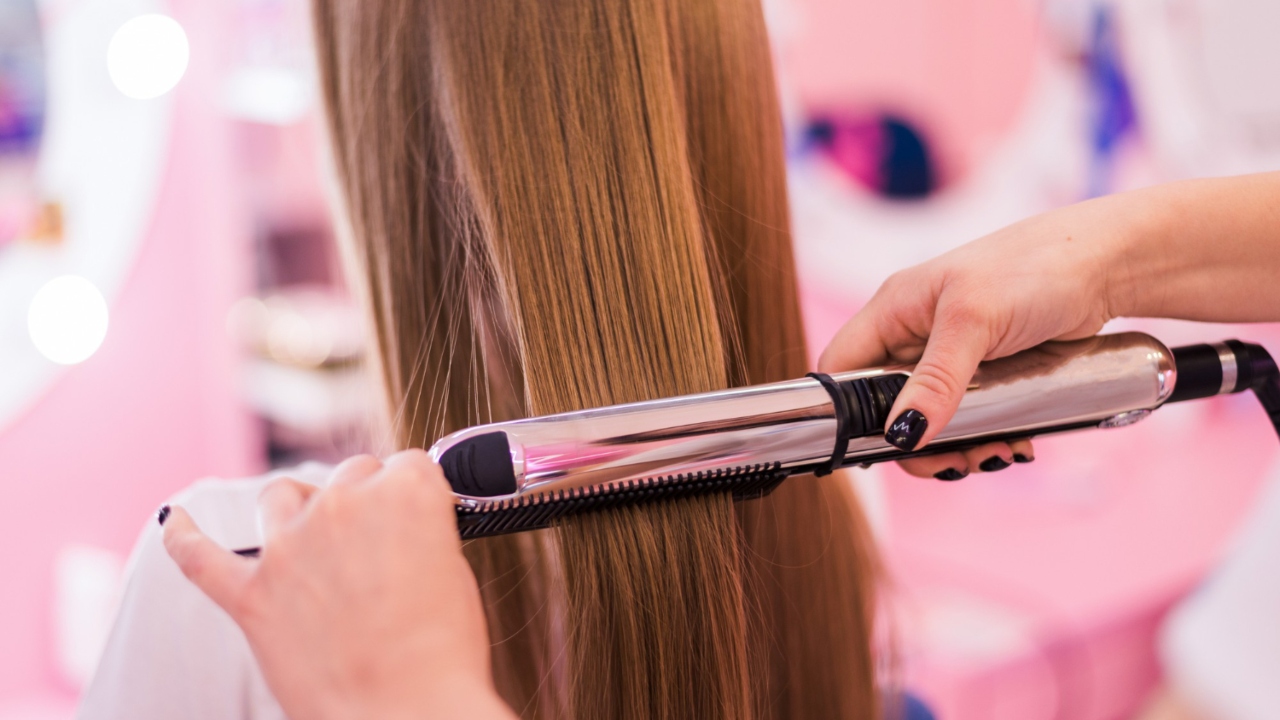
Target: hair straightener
<point>525,474</point>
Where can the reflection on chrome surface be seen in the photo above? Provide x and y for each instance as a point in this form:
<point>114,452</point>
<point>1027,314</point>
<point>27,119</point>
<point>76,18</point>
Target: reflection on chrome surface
<point>793,422</point>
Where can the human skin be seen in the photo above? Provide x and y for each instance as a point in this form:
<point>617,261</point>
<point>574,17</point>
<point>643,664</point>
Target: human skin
<point>1204,250</point>
<point>361,604</point>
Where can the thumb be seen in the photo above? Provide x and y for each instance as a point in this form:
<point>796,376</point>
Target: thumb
<point>219,573</point>
<point>930,397</point>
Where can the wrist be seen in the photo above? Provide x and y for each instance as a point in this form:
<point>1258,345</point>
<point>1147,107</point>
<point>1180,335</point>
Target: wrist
<point>1132,255</point>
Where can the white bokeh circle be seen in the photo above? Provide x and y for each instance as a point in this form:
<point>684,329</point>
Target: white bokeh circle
<point>102,159</point>
<point>67,319</point>
<point>147,56</point>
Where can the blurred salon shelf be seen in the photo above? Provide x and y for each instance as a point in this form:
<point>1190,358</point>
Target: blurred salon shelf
<point>310,402</point>
<point>303,372</point>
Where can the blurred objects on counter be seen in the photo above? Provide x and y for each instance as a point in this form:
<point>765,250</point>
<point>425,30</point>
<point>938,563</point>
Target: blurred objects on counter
<point>301,335</point>
<point>301,332</point>
<point>303,372</point>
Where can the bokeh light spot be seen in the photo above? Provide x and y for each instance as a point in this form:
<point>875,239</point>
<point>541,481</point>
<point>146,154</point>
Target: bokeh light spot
<point>147,56</point>
<point>67,319</point>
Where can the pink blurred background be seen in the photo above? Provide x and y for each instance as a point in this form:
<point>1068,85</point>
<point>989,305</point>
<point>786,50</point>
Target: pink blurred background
<point>1035,593</point>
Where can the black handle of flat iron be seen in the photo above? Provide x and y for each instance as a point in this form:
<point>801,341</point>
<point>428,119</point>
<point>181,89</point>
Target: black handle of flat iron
<point>1207,370</point>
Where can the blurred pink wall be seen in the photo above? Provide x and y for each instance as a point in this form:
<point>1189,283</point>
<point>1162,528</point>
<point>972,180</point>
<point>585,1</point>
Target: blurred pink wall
<point>156,407</point>
<point>960,68</point>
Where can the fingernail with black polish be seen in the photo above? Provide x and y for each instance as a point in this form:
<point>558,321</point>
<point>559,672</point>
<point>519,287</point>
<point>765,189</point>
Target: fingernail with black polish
<point>1020,458</point>
<point>163,514</point>
<point>951,474</point>
<point>993,464</point>
<point>906,431</point>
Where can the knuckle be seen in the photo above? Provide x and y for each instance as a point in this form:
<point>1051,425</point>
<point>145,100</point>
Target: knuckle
<point>416,462</point>
<point>426,491</point>
<point>430,489</point>
<point>898,281</point>
<point>362,463</point>
<point>939,384</point>
<point>281,480</point>
<point>331,504</point>
<point>274,489</point>
<point>414,454</point>
<point>365,463</point>
<point>967,313</point>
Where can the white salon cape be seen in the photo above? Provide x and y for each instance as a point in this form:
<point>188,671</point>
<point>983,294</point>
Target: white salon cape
<point>1221,646</point>
<point>173,654</point>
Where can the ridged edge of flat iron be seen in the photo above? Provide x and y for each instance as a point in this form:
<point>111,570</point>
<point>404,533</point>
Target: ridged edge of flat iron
<point>541,510</point>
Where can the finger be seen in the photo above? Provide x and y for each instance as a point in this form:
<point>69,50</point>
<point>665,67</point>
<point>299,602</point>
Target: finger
<point>218,573</point>
<point>355,469</point>
<point>418,464</point>
<point>930,397</point>
<point>414,460</point>
<point>416,468</point>
<point>1023,450</point>
<point>413,481</point>
<point>936,466</point>
<point>961,464</point>
<point>279,504</point>
<point>858,344</point>
<point>991,457</point>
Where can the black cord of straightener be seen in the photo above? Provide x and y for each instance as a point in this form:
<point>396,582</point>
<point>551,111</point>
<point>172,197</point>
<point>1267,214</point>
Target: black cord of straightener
<point>1264,380</point>
<point>1269,395</point>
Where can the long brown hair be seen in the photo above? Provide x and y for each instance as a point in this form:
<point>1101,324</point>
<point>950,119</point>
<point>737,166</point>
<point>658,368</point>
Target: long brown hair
<point>561,204</point>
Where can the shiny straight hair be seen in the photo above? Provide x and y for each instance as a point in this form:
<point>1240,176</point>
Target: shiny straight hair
<point>563,204</point>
